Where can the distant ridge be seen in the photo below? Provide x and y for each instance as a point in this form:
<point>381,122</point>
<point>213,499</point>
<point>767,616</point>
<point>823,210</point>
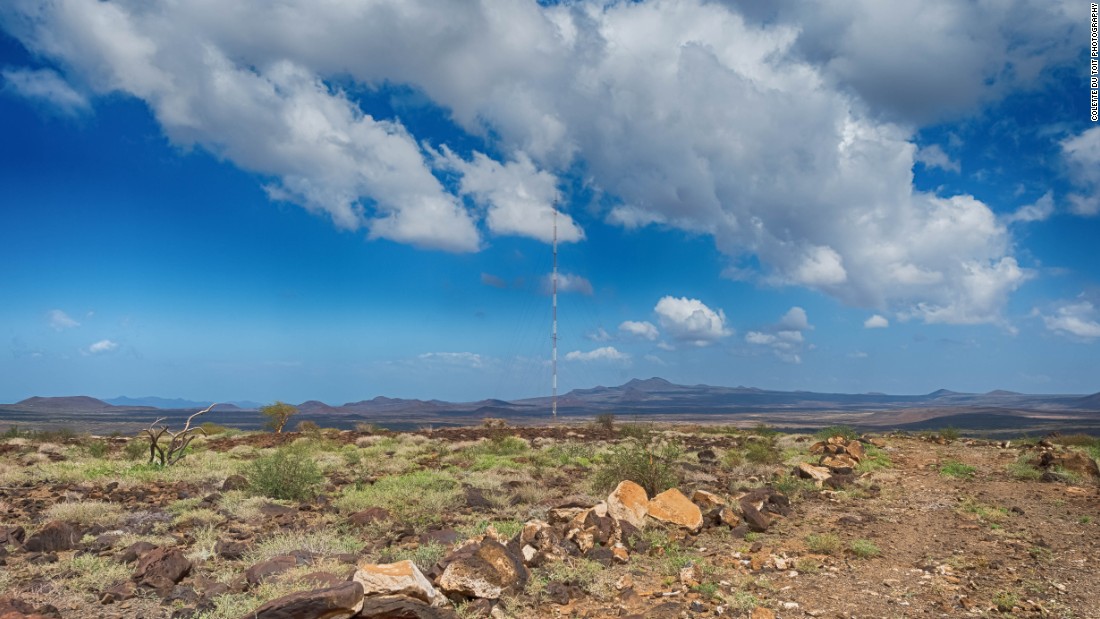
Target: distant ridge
<point>63,403</point>
<point>180,403</point>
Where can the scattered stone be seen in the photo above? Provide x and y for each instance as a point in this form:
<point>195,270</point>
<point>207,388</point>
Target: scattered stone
<point>369,516</point>
<point>266,569</point>
<point>53,537</point>
<point>399,607</point>
<point>488,573</point>
<point>476,499</point>
<point>230,551</point>
<point>161,569</point>
<point>401,578</point>
<point>673,507</point>
<point>819,474</point>
<point>755,520</point>
<point>340,602</point>
<point>118,593</point>
<point>135,551</point>
<point>234,482</point>
<point>628,502</point>
<point>707,500</point>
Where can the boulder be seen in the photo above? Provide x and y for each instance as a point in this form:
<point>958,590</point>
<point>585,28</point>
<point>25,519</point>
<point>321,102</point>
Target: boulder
<point>755,520</point>
<point>368,516</point>
<point>707,500</point>
<point>488,572</point>
<point>161,569</point>
<point>401,578</point>
<point>55,536</point>
<point>671,506</point>
<point>266,569</point>
<point>135,551</point>
<point>340,602</point>
<point>819,474</point>
<point>855,450</point>
<point>400,607</point>
<point>628,502</point>
<point>1077,463</point>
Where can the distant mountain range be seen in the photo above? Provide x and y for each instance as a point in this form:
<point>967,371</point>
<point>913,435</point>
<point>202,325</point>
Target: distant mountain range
<point>653,397</point>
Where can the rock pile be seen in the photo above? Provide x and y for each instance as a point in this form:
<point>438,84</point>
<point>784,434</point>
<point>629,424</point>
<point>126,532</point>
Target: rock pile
<point>479,571</point>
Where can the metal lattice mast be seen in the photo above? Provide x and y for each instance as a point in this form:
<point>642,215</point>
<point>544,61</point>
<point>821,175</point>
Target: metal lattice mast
<point>554,329</point>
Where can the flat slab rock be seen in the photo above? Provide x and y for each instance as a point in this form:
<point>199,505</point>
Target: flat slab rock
<point>401,578</point>
<point>629,502</point>
<point>340,602</point>
<point>673,507</point>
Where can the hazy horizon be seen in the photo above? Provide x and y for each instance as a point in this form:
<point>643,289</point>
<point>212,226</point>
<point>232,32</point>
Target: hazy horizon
<point>848,198</point>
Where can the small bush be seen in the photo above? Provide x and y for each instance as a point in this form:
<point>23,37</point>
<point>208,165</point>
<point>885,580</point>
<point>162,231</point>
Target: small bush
<point>639,431</point>
<point>287,474</point>
<point>649,465</point>
<point>956,469</point>
<point>136,449</point>
<point>606,421</point>
<point>1022,470</point>
<point>950,434</point>
<point>848,432</point>
<point>823,543</point>
<point>763,452</point>
<point>97,448</point>
<point>211,428</point>
<point>308,426</point>
<point>864,548</point>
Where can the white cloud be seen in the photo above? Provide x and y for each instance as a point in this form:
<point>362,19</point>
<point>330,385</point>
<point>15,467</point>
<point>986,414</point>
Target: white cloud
<point>599,335</point>
<point>47,85</point>
<point>644,329</point>
<point>59,320</point>
<point>876,322</point>
<point>101,346</point>
<point>1077,319</point>
<point>690,320</point>
<point>667,108</point>
<point>519,198</point>
<point>795,319</point>
<point>785,338</point>
<point>467,359</point>
<point>1040,210</point>
<point>1082,155</point>
<point>934,157</point>
<point>858,354</point>
<point>567,282</point>
<point>655,359</point>
<point>606,353</point>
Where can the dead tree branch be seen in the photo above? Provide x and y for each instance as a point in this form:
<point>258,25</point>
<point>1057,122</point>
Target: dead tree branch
<point>169,454</point>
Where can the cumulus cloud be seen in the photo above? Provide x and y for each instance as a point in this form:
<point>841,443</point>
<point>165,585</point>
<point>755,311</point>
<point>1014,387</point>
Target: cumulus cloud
<point>644,329</point>
<point>467,359</point>
<point>46,85</point>
<point>934,157</point>
<point>665,108</point>
<point>1079,319</point>
<point>519,198</point>
<point>795,320</point>
<point>102,346</point>
<point>690,320</point>
<point>784,338</point>
<point>59,320</point>
<point>606,353</point>
<point>599,335</point>
<point>876,322</point>
<point>1040,210</point>
<point>1082,155</point>
<point>567,282</point>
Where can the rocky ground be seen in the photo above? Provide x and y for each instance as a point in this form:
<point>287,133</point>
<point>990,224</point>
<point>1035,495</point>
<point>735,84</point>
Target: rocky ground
<point>549,522</point>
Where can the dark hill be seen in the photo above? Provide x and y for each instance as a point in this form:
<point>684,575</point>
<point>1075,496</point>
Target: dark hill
<point>67,403</point>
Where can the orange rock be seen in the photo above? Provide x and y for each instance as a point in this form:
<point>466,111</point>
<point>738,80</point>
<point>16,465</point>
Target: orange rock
<point>707,500</point>
<point>401,578</point>
<point>673,507</point>
<point>762,613</point>
<point>629,502</point>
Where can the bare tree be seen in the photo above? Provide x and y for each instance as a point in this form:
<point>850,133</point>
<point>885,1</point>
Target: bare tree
<point>171,453</point>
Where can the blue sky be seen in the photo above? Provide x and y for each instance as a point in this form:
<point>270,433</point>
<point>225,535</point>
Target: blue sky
<point>340,201</point>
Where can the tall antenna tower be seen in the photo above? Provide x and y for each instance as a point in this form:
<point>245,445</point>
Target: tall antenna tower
<point>554,329</point>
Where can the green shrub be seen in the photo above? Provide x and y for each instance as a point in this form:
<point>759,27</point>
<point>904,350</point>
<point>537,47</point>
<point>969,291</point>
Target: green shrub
<point>640,431</point>
<point>823,543</point>
<point>763,452</point>
<point>647,464</point>
<point>136,449</point>
<point>956,469</point>
<point>864,548</point>
<point>848,432</point>
<point>287,473</point>
<point>950,434</point>
<point>606,421</point>
<point>211,428</point>
<point>97,448</point>
<point>418,499</point>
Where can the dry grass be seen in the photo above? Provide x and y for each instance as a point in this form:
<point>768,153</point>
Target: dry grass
<point>87,513</point>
